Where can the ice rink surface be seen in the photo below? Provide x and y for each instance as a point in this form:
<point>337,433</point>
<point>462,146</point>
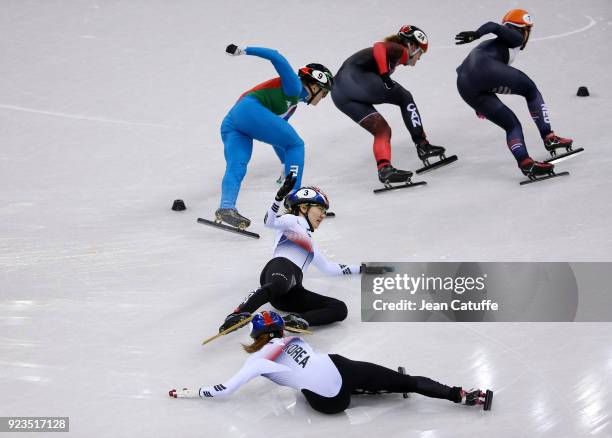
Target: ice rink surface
<point>111,109</point>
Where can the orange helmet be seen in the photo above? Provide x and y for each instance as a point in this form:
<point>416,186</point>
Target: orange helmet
<point>518,18</point>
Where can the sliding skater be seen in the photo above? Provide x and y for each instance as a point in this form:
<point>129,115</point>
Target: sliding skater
<point>364,80</point>
<point>486,72</point>
<point>327,381</point>
<point>262,114</point>
<point>294,251</point>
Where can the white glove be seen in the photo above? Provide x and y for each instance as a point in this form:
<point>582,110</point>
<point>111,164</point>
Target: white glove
<point>184,393</point>
<point>234,50</point>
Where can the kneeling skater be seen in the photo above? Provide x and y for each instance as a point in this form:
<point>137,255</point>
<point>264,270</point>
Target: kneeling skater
<point>294,251</point>
<point>327,381</point>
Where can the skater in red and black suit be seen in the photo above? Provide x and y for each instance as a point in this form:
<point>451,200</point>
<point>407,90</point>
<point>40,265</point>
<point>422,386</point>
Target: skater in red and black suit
<point>364,80</point>
<point>486,72</point>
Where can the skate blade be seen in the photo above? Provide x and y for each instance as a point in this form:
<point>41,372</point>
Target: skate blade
<point>228,228</point>
<point>542,178</point>
<point>298,330</point>
<point>402,371</point>
<point>437,164</point>
<point>229,329</point>
<point>405,185</point>
<point>488,400</point>
<point>566,156</point>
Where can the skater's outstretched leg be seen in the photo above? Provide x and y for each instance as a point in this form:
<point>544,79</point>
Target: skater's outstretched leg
<point>372,377</point>
<point>521,84</point>
<point>380,129</point>
<point>315,309</point>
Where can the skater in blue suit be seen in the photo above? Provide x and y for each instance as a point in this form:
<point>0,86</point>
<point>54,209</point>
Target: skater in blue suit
<point>262,114</point>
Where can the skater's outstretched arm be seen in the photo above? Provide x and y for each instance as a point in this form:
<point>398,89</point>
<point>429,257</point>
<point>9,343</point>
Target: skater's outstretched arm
<point>260,363</point>
<point>291,83</point>
<point>329,268</point>
<point>511,37</point>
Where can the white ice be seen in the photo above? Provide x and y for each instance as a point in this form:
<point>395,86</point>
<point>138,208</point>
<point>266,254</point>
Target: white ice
<point>110,110</point>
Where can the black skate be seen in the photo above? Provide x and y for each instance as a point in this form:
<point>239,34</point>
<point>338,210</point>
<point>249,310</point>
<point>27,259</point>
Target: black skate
<point>227,228</point>
<point>389,175</point>
<point>475,397</point>
<point>234,319</point>
<point>538,171</point>
<point>232,217</point>
<point>293,321</point>
<point>425,151</point>
<point>553,142</point>
<point>237,222</point>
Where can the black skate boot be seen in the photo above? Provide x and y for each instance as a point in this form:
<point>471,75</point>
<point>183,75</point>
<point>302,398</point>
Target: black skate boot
<point>232,217</point>
<point>426,150</point>
<point>533,169</point>
<point>233,319</point>
<point>389,174</point>
<point>472,397</point>
<point>293,321</point>
<point>476,397</point>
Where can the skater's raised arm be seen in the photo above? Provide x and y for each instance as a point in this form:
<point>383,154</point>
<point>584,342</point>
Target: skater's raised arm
<point>271,220</point>
<point>290,82</point>
<point>280,222</point>
<point>511,37</point>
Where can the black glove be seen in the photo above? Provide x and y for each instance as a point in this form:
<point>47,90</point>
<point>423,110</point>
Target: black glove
<point>234,50</point>
<point>466,37</point>
<point>389,83</point>
<point>376,270</point>
<point>287,186</point>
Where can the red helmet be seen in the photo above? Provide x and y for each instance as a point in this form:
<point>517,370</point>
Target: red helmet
<point>412,34</point>
<point>518,18</point>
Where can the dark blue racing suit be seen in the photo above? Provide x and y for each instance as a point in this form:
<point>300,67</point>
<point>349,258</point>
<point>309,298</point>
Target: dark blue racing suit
<point>486,72</point>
